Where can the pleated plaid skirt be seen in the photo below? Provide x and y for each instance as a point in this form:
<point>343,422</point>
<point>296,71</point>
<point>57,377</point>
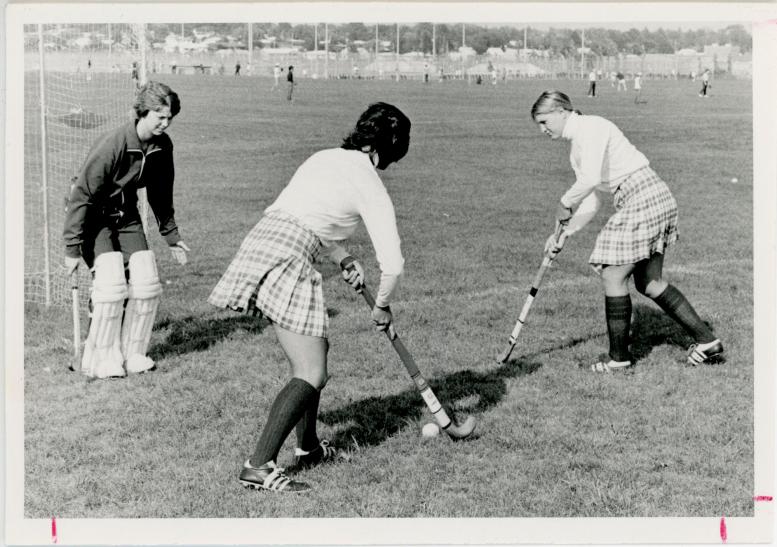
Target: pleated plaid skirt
<point>644,223</point>
<point>272,274</point>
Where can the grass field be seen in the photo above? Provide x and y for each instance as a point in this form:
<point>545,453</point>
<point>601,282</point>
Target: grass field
<point>474,199</point>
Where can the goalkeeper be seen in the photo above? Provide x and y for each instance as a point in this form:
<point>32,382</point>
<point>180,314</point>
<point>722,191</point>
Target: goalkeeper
<point>104,229</point>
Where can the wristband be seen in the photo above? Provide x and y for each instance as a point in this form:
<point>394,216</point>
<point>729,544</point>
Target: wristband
<point>385,308</point>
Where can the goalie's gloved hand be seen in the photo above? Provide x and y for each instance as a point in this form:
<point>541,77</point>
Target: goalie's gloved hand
<point>381,316</point>
<point>71,264</point>
<point>353,273</point>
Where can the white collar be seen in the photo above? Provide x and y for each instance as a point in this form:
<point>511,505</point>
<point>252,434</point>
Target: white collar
<point>570,127</point>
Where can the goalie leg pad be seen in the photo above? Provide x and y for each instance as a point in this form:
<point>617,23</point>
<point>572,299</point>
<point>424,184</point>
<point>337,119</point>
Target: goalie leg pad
<point>102,352</point>
<point>145,291</point>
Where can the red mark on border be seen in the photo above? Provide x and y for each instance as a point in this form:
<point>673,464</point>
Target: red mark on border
<point>723,532</point>
<point>762,498</point>
<point>54,530</point>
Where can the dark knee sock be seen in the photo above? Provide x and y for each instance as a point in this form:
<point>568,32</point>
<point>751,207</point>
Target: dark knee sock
<point>307,438</point>
<point>287,409</point>
<point>618,312</point>
<point>676,306</point>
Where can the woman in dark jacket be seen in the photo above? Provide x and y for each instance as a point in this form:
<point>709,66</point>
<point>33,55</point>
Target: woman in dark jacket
<point>103,227</point>
<point>102,213</point>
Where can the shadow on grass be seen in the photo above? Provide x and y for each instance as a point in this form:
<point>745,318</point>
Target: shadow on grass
<point>372,420</point>
<point>192,334</point>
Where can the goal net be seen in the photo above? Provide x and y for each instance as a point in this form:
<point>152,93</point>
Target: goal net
<point>78,84</point>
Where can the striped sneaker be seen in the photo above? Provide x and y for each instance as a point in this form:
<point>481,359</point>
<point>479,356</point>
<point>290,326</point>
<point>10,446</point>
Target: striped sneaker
<point>324,452</point>
<point>270,477</point>
<point>704,353</point>
<point>606,364</point>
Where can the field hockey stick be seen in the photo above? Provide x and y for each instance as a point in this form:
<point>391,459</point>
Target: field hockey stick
<point>76,321</point>
<point>546,262</point>
<point>454,430</point>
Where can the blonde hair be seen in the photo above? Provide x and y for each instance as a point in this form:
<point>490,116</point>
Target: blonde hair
<point>549,101</point>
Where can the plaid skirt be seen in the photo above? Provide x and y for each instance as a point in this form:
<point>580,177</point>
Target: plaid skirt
<point>272,274</point>
<point>644,223</point>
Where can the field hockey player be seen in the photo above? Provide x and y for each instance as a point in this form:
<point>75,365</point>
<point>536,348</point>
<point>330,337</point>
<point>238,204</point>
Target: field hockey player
<point>273,275</point>
<point>634,239</point>
<point>103,227</point>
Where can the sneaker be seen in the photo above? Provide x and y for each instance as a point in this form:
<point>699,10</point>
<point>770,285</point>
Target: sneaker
<point>704,353</point>
<point>320,454</point>
<point>269,477</point>
<point>605,364</point>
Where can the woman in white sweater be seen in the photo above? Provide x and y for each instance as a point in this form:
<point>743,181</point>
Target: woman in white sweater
<point>273,275</point>
<point>634,239</point>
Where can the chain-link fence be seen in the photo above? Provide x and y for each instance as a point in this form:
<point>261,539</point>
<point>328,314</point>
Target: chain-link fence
<point>72,95</point>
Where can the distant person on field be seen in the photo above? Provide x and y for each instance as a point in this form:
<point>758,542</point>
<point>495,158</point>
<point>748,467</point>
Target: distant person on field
<point>276,74</point>
<point>621,81</point>
<point>291,84</point>
<point>135,74</point>
<point>104,229</point>
<point>237,68</point>
<point>592,83</point>
<point>633,241</point>
<point>273,275</point>
<point>705,83</point>
<point>638,88</point>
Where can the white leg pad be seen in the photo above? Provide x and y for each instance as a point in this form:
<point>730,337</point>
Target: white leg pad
<point>145,291</point>
<point>102,352</point>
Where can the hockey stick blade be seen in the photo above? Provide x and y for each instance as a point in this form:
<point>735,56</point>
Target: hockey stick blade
<point>505,354</point>
<point>461,431</point>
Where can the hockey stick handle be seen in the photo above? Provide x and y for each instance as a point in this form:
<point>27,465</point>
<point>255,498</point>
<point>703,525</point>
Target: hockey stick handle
<point>546,262</point>
<point>437,410</point>
<point>76,319</point>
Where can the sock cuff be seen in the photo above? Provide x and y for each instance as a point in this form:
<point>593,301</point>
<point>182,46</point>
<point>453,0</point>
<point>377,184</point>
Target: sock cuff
<point>306,387</point>
<point>617,304</point>
<point>670,295</point>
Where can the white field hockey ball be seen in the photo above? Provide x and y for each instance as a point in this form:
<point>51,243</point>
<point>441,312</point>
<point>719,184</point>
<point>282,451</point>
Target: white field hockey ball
<point>430,430</point>
<point>734,180</point>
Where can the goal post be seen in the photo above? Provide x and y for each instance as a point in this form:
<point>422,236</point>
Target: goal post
<point>77,86</point>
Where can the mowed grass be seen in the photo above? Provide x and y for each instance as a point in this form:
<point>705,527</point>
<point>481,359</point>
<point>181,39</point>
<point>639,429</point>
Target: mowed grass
<point>474,200</point>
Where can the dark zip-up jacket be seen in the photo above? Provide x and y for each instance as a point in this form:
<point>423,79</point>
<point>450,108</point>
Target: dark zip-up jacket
<point>105,191</point>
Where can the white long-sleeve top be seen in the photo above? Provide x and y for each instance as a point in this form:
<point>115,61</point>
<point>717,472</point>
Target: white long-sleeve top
<point>601,157</point>
<point>330,193</point>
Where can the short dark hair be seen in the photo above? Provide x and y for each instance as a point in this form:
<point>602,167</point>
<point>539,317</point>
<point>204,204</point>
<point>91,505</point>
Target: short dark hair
<point>383,128</point>
<point>153,96</point>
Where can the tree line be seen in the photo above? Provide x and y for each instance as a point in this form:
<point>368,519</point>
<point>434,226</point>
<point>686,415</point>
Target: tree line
<point>443,38</point>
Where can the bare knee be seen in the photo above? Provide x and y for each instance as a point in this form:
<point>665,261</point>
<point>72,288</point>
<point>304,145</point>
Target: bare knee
<point>615,280</point>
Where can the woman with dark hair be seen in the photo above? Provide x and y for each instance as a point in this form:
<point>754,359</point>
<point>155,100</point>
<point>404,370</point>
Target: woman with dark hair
<point>273,275</point>
<point>634,239</point>
<point>102,208</point>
